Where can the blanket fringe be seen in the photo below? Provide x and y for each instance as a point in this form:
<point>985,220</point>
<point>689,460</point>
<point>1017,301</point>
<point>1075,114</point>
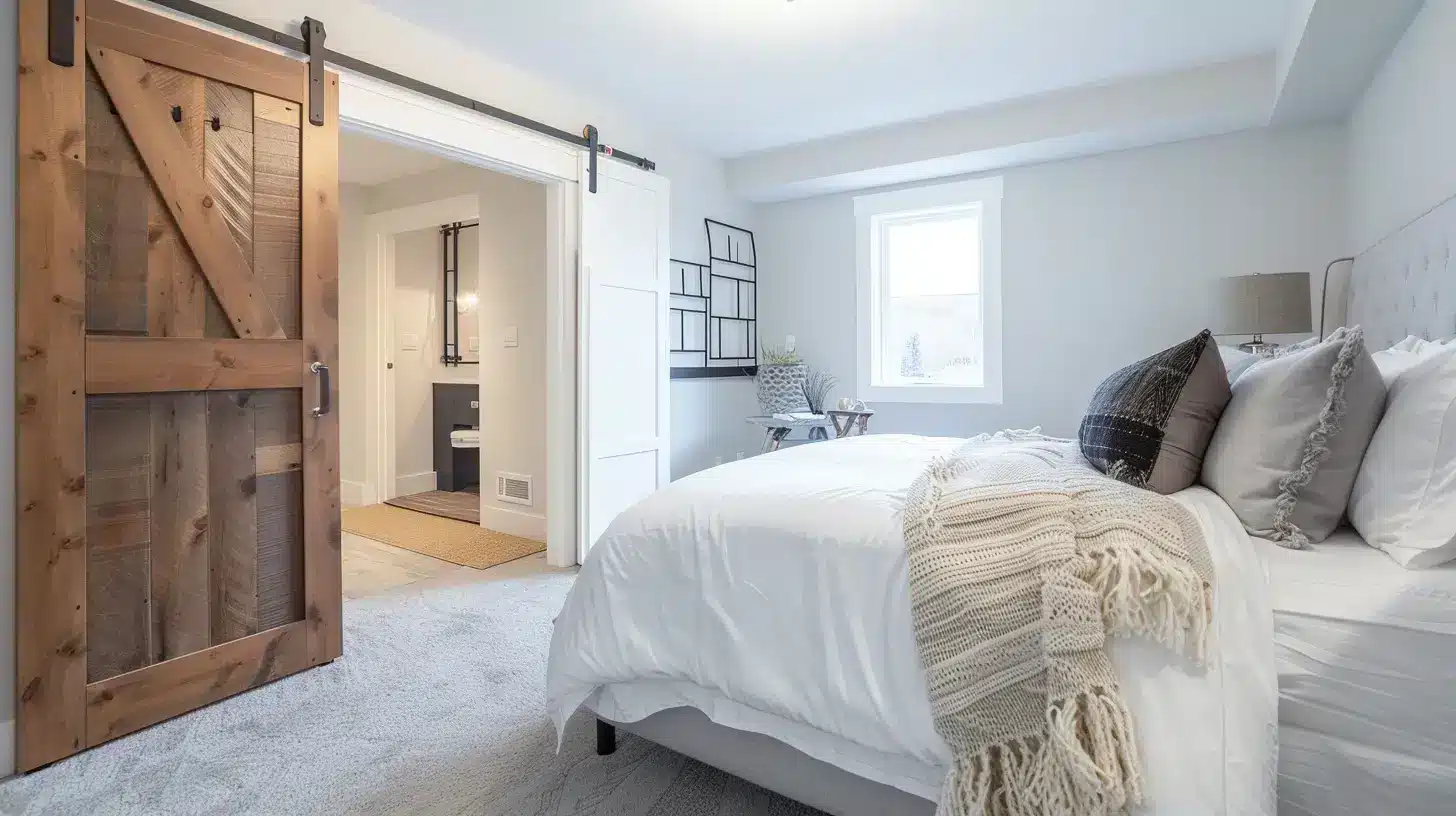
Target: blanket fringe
<point>1086,766</point>
<point>1148,594</point>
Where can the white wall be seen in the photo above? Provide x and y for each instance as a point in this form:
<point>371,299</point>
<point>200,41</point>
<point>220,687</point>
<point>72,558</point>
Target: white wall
<point>418,309</point>
<point>352,342</point>
<point>1403,130</point>
<point>512,274</point>
<point>1105,260</point>
<point>507,254</point>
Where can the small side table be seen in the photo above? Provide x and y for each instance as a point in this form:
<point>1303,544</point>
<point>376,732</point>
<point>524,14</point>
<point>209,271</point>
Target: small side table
<point>850,423</point>
<point>776,429</point>
<point>844,423</point>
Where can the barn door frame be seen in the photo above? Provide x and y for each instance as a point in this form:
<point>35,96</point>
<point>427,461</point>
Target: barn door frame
<point>58,711</point>
<point>410,119</point>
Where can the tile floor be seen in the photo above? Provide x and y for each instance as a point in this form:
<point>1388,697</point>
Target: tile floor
<point>373,568</point>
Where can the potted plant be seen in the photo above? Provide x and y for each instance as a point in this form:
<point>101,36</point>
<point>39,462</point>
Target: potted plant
<point>781,376</point>
<point>817,385</point>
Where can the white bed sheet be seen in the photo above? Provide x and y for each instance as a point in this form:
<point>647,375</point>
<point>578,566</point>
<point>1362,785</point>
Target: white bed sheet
<point>1366,655</point>
<point>772,595</point>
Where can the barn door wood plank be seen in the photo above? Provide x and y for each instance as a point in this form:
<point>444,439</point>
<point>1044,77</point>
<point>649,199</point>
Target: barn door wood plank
<point>185,92</point>
<point>229,161</point>
<point>127,80</point>
<point>181,585</point>
<point>127,365</point>
<point>131,702</point>
<point>276,207</point>
<point>277,110</point>
<point>177,296</point>
<point>280,548</point>
<point>176,306</point>
<point>229,106</point>
<point>118,494</point>
<point>117,231</point>
<point>50,399</point>
<point>108,148</point>
<point>228,172</point>
<point>279,458</point>
<point>323,591</point>
<point>233,518</point>
<point>135,30</point>
<point>177,293</point>
<point>279,417</point>
<point>119,250</point>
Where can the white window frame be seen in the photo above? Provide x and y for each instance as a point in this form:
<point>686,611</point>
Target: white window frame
<point>984,194</point>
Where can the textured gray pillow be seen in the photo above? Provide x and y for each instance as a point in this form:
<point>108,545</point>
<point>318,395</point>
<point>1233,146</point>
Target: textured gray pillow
<point>1289,445</point>
<point>1149,423</point>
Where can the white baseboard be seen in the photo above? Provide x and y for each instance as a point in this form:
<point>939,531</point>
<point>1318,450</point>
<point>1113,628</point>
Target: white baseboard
<point>514,522</point>
<point>7,748</point>
<point>354,494</point>
<point>408,483</point>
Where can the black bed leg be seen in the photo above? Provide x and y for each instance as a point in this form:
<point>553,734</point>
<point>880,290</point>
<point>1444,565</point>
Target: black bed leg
<point>606,738</point>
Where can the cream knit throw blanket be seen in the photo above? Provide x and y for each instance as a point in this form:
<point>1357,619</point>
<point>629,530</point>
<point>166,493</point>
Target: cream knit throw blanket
<point>1023,559</point>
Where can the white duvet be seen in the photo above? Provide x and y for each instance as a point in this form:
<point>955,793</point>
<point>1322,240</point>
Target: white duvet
<point>772,595</point>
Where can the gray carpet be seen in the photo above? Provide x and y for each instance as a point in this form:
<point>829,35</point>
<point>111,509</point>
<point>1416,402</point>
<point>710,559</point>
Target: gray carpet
<point>435,708</point>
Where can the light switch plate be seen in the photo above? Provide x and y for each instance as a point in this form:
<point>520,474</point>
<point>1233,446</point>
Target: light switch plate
<point>409,342</point>
<point>513,337</point>
<point>475,344</point>
<point>789,342</point>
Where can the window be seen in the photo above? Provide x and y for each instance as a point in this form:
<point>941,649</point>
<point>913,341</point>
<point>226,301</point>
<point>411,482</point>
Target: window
<point>929,293</point>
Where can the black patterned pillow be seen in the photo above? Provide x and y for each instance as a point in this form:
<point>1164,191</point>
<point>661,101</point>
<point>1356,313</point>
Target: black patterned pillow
<point>1149,424</point>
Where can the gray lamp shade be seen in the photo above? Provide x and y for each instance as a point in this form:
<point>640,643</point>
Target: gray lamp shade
<point>1265,304</point>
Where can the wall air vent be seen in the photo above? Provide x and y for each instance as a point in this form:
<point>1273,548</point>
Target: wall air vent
<point>514,488</point>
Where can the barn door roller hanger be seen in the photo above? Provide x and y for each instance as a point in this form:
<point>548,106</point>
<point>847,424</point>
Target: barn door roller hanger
<point>61,29</point>
<point>311,44</point>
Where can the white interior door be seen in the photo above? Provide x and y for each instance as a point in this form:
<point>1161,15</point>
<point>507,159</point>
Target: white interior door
<point>623,343</point>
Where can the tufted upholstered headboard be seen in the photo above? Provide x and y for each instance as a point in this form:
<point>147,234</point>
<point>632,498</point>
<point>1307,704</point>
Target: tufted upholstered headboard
<point>1406,284</point>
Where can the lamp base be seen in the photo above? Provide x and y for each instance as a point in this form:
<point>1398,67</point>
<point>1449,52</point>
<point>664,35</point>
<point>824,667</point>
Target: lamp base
<point>1257,348</point>
<point>1257,345</point>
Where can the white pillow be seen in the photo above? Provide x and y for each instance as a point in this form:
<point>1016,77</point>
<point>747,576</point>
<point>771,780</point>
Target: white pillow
<point>1236,361</point>
<point>1404,500</point>
<point>1406,354</point>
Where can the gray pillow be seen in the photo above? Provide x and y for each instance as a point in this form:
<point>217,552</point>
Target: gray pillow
<point>1149,423</point>
<point>1289,445</point>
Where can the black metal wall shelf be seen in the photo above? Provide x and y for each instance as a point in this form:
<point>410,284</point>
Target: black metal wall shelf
<point>450,316</point>
<point>714,308</point>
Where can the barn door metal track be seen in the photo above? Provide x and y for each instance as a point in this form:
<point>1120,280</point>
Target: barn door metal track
<point>312,46</point>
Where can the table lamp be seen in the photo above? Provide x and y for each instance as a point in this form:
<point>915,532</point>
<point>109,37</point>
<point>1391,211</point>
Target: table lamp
<point>1264,304</point>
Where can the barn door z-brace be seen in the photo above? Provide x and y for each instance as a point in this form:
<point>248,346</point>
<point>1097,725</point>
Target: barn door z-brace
<point>311,44</point>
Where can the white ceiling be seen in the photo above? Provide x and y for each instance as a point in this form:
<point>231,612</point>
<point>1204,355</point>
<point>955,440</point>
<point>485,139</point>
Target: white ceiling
<point>367,161</point>
<point>736,76</point>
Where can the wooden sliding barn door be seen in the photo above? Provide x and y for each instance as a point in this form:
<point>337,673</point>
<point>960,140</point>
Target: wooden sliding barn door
<point>177,296</point>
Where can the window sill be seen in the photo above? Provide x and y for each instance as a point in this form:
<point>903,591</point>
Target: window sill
<point>930,394</point>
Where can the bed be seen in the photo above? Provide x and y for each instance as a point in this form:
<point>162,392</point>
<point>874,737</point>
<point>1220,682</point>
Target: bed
<point>1366,650</point>
<point>756,616</point>
<point>1366,655</point>
<point>804,678</point>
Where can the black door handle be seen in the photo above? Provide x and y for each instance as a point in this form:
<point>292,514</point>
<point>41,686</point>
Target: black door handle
<point>324,392</point>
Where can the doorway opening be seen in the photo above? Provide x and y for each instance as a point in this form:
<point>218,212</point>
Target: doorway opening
<point>443,279</point>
